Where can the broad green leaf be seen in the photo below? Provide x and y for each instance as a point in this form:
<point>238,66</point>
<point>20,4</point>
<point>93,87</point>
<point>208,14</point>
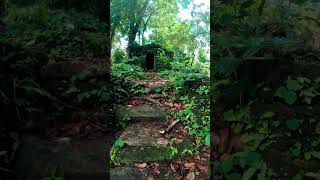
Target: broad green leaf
<point>229,115</point>
<point>296,149</point>
<point>253,158</point>
<point>72,89</point>
<point>293,85</point>
<point>267,115</point>
<point>281,92</point>
<point>233,176</point>
<point>207,140</point>
<point>315,154</point>
<point>225,19</point>
<point>297,177</point>
<point>226,166</point>
<point>226,67</point>
<point>293,124</point>
<point>248,174</point>
<point>303,80</point>
<point>247,3</point>
<point>288,96</point>
<point>104,96</point>
<point>315,175</point>
<point>119,143</point>
<point>158,89</point>
<point>263,171</point>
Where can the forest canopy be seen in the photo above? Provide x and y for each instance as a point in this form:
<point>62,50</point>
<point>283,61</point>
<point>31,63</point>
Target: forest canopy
<point>180,26</point>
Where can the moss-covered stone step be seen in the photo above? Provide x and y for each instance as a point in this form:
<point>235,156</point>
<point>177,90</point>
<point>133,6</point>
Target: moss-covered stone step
<point>144,143</point>
<point>140,113</point>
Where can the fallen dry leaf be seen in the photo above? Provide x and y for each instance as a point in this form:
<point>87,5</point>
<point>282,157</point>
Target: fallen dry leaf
<point>173,167</point>
<point>151,177</point>
<point>190,165</point>
<point>175,177</point>
<point>141,166</point>
<point>203,168</point>
<point>191,176</point>
<point>156,164</point>
<point>178,162</point>
<point>179,141</point>
<point>184,132</point>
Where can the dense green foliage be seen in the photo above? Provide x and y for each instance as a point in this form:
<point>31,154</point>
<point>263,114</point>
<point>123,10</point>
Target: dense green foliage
<point>160,24</point>
<point>34,34</point>
<point>257,86</point>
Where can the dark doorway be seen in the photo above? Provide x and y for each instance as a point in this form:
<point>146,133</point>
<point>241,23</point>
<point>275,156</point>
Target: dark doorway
<point>150,61</point>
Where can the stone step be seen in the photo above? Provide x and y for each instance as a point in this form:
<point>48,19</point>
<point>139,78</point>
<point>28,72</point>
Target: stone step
<point>140,113</point>
<point>144,143</point>
<point>133,173</point>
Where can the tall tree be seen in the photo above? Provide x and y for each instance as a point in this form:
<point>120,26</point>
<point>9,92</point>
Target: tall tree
<point>135,18</point>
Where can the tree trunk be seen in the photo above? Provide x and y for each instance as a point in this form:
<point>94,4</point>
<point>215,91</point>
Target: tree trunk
<point>145,28</point>
<point>193,56</point>
<point>135,21</point>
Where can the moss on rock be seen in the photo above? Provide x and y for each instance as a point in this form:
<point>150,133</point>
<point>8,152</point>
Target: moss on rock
<point>134,154</point>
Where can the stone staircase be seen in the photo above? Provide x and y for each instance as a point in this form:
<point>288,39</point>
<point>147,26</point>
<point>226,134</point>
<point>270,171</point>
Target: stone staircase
<point>145,142</point>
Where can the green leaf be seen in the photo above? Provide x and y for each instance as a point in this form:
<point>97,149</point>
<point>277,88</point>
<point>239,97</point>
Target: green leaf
<point>119,143</point>
<point>207,140</point>
<point>315,154</point>
<point>72,89</point>
<point>225,19</point>
<point>158,89</point>
<point>300,2</point>
<point>267,115</point>
<point>313,175</point>
<point>288,96</point>
<point>229,115</point>
<point>233,176</point>
<point>253,158</point>
<point>247,3</point>
<point>307,156</point>
<point>297,177</point>
<point>296,149</point>
<point>248,174</point>
<point>226,67</point>
<point>281,92</point>
<point>263,171</point>
<point>293,85</point>
<point>104,96</point>
<point>293,124</point>
<point>226,166</point>
<point>303,80</point>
